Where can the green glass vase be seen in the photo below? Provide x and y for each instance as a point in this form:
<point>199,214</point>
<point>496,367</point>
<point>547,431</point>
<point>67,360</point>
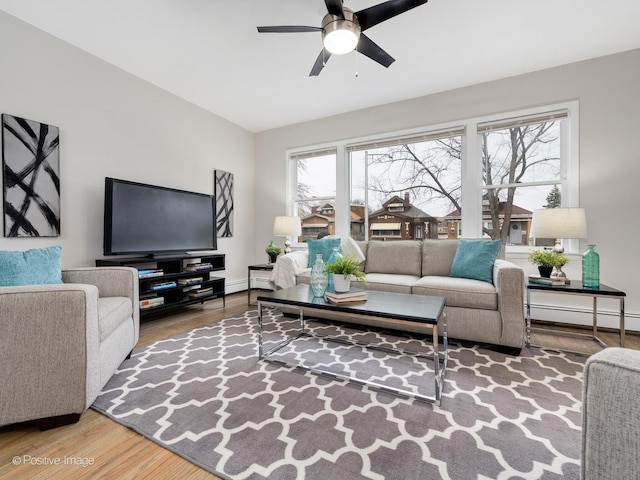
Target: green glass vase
<point>591,268</point>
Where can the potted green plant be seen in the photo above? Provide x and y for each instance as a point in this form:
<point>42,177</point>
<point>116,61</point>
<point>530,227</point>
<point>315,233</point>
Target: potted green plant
<point>546,260</point>
<point>343,269</point>
<point>273,251</point>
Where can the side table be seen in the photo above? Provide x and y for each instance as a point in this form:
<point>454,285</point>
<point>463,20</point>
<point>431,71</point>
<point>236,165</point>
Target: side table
<point>251,268</point>
<point>576,288</point>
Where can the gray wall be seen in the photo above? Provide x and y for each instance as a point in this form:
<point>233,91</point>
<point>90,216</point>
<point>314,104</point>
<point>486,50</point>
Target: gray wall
<point>607,89</point>
<point>114,124</point>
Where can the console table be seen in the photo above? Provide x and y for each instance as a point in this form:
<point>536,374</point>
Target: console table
<point>576,288</point>
<point>171,279</point>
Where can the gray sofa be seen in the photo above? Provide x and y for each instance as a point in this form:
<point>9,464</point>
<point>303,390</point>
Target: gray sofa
<point>611,415</point>
<point>477,311</point>
<point>61,343</point>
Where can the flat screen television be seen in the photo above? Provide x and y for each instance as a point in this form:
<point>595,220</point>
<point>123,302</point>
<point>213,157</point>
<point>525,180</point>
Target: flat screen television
<point>153,220</point>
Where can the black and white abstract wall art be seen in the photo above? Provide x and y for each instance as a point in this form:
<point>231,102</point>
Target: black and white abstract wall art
<point>224,203</point>
<point>31,178</point>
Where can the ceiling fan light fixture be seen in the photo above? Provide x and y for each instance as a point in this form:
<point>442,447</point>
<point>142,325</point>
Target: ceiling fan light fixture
<point>340,36</point>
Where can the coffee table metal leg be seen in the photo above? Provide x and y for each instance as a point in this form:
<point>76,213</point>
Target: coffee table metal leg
<point>436,364</point>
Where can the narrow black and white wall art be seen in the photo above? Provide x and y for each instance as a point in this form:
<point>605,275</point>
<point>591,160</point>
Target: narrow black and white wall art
<point>31,178</point>
<point>224,203</point>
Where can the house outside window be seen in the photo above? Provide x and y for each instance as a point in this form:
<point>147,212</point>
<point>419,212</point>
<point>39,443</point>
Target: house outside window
<point>488,173</point>
<point>417,177</point>
<point>314,189</point>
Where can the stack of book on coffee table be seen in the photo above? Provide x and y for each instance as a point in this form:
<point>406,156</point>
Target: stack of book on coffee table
<point>352,296</point>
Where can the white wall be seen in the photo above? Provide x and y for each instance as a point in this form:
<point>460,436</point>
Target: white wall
<point>114,124</point>
<point>607,89</point>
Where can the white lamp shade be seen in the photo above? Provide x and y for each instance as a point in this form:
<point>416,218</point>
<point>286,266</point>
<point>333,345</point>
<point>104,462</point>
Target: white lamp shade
<point>559,223</point>
<point>287,226</point>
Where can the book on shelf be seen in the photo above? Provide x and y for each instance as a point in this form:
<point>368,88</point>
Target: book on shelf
<point>551,281</point>
<point>354,292</point>
<point>151,302</point>
<point>150,273</point>
<point>188,288</point>
<point>190,281</point>
<point>198,267</point>
<point>162,285</point>
<point>201,292</point>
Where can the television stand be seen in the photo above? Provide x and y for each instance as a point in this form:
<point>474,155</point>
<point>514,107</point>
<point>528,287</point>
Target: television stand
<point>172,281</point>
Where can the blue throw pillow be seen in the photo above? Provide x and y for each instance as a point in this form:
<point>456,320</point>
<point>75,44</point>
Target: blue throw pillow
<point>324,246</point>
<point>33,267</point>
<point>475,258</point>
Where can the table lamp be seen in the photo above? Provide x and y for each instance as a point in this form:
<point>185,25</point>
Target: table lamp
<point>559,223</point>
<point>287,227</point>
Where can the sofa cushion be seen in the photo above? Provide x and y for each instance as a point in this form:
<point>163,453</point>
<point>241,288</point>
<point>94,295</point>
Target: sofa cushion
<point>323,247</point>
<point>112,311</point>
<point>401,257</point>
<point>459,292</point>
<point>437,257</point>
<point>363,244</point>
<point>475,258</point>
<point>388,282</point>
<point>38,266</point>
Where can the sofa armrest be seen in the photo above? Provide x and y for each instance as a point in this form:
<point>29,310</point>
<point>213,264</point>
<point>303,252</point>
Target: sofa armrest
<point>49,341</point>
<point>287,267</point>
<point>611,415</point>
<point>508,279</point>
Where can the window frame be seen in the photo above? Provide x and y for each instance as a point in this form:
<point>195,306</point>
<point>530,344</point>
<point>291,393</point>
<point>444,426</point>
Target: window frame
<point>472,184</point>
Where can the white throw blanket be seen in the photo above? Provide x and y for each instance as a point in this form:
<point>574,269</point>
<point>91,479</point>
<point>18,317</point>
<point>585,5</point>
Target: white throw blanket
<point>287,267</point>
<point>292,264</point>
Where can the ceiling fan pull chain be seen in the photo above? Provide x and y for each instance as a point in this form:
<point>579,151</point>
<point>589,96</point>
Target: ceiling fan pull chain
<point>356,54</point>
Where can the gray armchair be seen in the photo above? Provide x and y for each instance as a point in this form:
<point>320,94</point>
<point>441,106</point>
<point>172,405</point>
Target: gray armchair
<point>60,343</point>
<point>611,415</point>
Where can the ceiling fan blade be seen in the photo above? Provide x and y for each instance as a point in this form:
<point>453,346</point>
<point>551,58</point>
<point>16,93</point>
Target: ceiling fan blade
<point>288,29</point>
<point>320,62</point>
<point>368,47</point>
<point>384,11</point>
<point>334,7</point>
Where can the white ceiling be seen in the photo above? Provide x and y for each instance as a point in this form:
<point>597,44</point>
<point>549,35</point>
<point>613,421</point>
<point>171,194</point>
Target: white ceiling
<point>210,53</point>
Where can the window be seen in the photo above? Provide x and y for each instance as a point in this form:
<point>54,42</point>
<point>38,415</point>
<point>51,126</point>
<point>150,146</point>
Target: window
<point>521,171</point>
<point>315,191</point>
<point>487,173</point>
<point>413,181</point>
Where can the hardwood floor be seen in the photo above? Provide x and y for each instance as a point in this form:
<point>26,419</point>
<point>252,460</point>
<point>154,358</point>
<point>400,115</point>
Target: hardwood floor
<point>115,451</point>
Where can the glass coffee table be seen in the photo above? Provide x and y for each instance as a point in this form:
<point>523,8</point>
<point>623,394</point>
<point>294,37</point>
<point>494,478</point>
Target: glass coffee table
<point>402,309</point>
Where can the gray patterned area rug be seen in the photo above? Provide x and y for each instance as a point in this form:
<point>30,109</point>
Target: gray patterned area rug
<point>205,395</point>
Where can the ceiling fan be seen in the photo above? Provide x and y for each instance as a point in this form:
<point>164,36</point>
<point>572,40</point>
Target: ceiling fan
<point>342,30</point>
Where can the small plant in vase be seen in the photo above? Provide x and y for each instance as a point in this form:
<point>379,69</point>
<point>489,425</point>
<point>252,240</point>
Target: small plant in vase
<point>343,268</point>
<point>546,260</point>
<point>273,251</point>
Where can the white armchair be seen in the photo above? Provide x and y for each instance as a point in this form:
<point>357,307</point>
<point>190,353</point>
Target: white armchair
<point>61,343</point>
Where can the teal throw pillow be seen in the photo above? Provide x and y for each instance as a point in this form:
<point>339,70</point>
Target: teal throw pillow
<point>324,247</point>
<point>475,258</point>
<point>32,267</point>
